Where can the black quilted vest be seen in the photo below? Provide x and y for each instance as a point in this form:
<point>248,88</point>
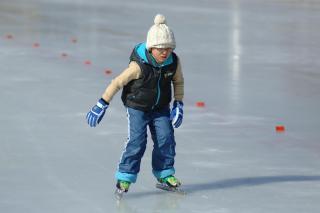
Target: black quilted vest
<point>152,91</point>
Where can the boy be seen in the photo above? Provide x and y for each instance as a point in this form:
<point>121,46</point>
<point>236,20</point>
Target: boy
<point>146,94</point>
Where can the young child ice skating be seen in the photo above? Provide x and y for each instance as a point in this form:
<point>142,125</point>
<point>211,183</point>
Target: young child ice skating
<point>146,93</point>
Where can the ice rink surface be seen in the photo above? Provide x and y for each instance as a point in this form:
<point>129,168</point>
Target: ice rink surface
<point>255,64</point>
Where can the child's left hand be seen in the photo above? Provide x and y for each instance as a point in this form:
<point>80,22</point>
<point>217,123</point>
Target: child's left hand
<point>176,115</point>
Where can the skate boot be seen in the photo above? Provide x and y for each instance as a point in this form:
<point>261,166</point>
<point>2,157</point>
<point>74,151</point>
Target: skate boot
<point>122,187</point>
<point>170,181</point>
<point>171,184</point>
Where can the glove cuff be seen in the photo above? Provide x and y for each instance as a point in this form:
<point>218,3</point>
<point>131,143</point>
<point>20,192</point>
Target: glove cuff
<point>177,104</point>
<point>102,103</point>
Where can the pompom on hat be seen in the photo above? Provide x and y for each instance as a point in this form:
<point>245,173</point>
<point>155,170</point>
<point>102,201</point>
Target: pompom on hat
<point>160,35</point>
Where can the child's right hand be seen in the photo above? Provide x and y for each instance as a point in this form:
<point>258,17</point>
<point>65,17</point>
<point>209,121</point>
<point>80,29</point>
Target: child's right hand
<point>97,112</point>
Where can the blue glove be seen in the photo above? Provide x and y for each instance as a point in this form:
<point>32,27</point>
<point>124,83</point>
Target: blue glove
<point>176,115</point>
<point>97,112</point>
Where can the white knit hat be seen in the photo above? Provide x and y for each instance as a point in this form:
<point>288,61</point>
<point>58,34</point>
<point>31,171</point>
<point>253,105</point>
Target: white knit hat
<point>160,35</point>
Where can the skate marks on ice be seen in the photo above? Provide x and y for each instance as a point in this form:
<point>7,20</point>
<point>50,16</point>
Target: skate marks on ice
<point>171,201</point>
<point>155,200</point>
<point>230,183</point>
<point>157,191</point>
<point>120,195</point>
<point>177,190</point>
<point>163,202</point>
<point>248,182</point>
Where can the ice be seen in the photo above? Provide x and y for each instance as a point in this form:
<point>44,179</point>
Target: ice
<point>253,63</point>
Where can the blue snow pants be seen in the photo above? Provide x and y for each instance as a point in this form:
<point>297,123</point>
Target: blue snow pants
<point>162,134</point>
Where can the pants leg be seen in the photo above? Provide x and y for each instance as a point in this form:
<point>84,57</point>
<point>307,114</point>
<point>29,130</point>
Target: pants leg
<point>129,165</point>
<point>164,144</point>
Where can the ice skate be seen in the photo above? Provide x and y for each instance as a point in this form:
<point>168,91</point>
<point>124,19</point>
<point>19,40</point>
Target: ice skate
<point>171,184</point>
<point>122,187</point>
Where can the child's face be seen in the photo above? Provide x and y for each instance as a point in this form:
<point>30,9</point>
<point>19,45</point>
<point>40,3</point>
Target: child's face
<point>161,54</point>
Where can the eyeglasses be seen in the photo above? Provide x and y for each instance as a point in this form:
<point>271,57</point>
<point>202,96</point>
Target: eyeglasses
<point>161,50</point>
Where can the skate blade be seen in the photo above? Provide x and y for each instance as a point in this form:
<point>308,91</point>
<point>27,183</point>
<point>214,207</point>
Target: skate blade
<point>165,187</point>
<point>119,194</point>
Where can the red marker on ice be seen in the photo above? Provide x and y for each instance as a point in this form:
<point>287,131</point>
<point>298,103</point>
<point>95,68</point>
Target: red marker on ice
<point>280,128</point>
<point>87,62</point>
<point>36,45</point>
<point>200,104</point>
<point>107,72</point>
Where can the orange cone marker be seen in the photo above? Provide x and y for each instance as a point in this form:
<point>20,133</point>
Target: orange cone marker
<point>64,55</point>
<point>200,104</point>
<point>36,45</point>
<point>280,128</point>
<point>87,62</point>
<point>74,40</point>
<point>9,36</point>
<point>108,72</point>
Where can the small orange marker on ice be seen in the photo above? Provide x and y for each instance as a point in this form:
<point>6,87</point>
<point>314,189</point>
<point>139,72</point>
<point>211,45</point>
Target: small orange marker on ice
<point>36,45</point>
<point>64,55</point>
<point>200,104</point>
<point>107,72</point>
<point>87,62</point>
<point>280,128</point>
<point>9,36</point>
<point>74,40</point>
